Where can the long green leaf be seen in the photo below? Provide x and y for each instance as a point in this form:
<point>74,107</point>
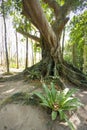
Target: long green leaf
<point>61,113</point>
<point>47,90</point>
<point>53,92</point>
<point>54,115</point>
<point>69,124</point>
<point>71,92</point>
<point>45,104</point>
<point>39,95</point>
<point>72,101</point>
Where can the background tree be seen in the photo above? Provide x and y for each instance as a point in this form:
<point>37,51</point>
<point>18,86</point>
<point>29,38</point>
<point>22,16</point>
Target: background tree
<point>77,40</point>
<point>63,39</point>
<point>17,60</point>
<point>26,65</point>
<point>5,33</point>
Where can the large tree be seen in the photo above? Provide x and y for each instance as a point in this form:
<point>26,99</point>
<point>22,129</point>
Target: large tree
<point>49,17</point>
<point>50,33</point>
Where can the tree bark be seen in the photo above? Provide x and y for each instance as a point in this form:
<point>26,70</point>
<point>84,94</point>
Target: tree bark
<point>63,39</point>
<point>74,54</point>
<point>26,64</point>
<point>17,61</point>
<point>26,34</point>
<point>5,33</point>
<point>85,59</point>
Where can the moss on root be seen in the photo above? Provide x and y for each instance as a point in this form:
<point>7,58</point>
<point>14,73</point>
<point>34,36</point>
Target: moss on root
<point>21,97</point>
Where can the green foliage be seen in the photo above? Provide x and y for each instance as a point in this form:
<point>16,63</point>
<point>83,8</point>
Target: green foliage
<point>5,7</point>
<point>59,101</point>
<point>61,2</point>
<point>33,75</point>
<point>68,53</point>
<point>78,37</point>
<point>78,27</point>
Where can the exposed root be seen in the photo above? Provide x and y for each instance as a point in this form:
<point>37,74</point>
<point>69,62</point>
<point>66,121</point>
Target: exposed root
<point>74,75</point>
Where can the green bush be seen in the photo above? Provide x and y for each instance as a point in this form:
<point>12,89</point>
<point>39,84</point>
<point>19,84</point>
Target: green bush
<point>59,101</point>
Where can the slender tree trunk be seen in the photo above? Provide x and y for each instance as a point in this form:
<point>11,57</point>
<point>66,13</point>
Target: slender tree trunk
<point>74,54</point>
<point>63,43</point>
<point>1,58</point>
<point>35,59</point>
<point>5,33</point>
<point>26,64</point>
<point>2,46</point>
<point>32,54</point>
<point>17,51</point>
<point>85,59</point>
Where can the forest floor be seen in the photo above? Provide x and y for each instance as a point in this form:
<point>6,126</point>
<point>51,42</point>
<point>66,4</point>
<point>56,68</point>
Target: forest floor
<point>31,117</point>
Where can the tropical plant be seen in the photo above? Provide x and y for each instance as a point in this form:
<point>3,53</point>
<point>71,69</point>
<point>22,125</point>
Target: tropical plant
<point>59,102</point>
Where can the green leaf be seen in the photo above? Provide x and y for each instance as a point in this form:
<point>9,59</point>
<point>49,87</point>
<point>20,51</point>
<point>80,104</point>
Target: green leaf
<point>54,115</point>
<point>39,95</point>
<point>70,92</point>
<point>45,104</point>
<point>61,113</point>
<point>53,92</point>
<point>46,89</point>
<point>70,124</point>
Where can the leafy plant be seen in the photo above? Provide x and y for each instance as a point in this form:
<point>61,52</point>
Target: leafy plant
<point>59,101</point>
<point>33,75</point>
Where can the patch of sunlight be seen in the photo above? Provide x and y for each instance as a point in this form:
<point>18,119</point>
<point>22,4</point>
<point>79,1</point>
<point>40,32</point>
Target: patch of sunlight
<point>85,92</point>
<point>75,120</point>
<point>85,107</point>
<point>81,95</point>
<point>9,91</point>
<point>1,85</point>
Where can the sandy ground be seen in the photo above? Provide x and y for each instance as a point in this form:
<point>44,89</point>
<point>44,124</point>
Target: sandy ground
<point>27,117</point>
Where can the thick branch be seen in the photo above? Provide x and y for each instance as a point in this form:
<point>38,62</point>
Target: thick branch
<point>54,5</point>
<point>33,10</point>
<point>29,35</point>
<point>59,25</point>
<point>26,13</point>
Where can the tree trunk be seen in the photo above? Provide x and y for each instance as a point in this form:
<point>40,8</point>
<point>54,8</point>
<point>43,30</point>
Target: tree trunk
<point>1,58</point>
<point>63,39</point>
<point>74,57</point>
<point>32,53</point>
<point>17,62</point>
<point>26,64</point>
<point>85,59</point>
<point>47,59</point>
<point>5,33</point>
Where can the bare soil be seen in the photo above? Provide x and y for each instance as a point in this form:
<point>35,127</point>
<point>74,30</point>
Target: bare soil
<point>30,117</point>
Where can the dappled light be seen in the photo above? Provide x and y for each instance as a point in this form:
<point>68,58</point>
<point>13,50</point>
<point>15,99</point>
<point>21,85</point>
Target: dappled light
<point>9,91</point>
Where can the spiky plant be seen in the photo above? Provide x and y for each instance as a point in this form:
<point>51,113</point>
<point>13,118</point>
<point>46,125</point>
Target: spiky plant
<point>59,101</point>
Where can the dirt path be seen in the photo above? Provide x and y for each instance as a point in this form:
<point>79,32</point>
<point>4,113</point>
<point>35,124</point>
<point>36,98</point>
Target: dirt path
<point>27,117</point>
